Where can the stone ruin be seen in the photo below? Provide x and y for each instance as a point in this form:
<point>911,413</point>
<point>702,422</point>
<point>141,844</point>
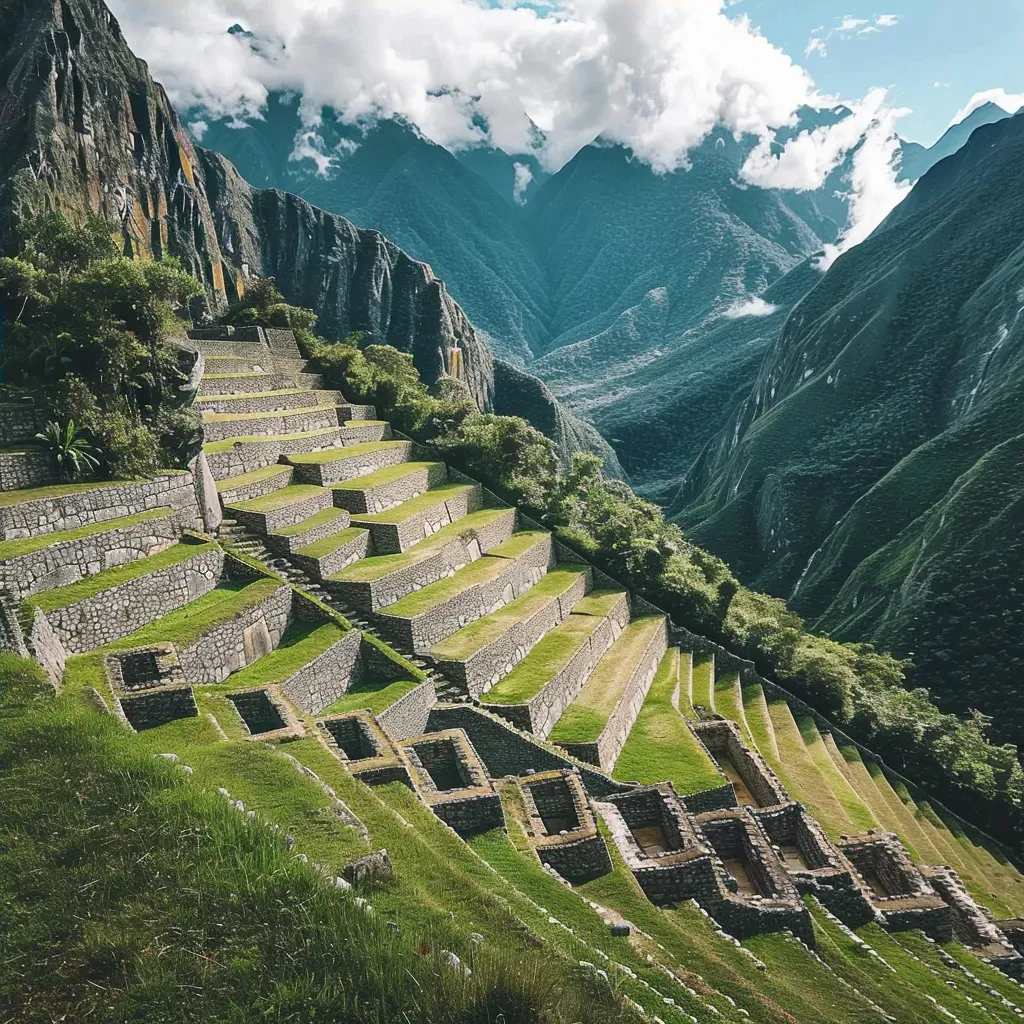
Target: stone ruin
<point>753,782</point>
<point>451,780</point>
<point>899,893</point>
<point>358,740</point>
<point>561,826</point>
<point>265,715</point>
<point>149,686</point>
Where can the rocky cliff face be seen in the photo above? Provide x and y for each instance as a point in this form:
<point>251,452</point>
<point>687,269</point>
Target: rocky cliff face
<point>83,128</point>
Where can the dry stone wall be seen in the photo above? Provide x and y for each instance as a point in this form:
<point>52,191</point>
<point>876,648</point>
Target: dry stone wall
<point>64,563</point>
<point>326,678</point>
<point>121,610</point>
<point>409,715</point>
<point>19,421</point>
<point>21,470</point>
<point>58,513</point>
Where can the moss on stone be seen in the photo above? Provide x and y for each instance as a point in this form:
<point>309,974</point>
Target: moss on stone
<point>302,643</point>
<point>375,696</point>
<point>325,515</point>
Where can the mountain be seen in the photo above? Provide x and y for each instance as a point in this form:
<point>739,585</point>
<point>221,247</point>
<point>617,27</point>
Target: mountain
<point>917,159</point>
<point>873,475</point>
<point>610,283</point>
<point>83,128</point>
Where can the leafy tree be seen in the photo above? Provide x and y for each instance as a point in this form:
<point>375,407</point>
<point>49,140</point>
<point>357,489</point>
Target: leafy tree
<point>87,332</point>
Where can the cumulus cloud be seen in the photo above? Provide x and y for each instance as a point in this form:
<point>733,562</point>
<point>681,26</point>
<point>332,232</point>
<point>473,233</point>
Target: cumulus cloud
<point>844,28</point>
<point>540,79</point>
<point>754,306</point>
<point>1011,102</point>
<point>522,182</point>
<point>199,129</point>
<point>874,186</point>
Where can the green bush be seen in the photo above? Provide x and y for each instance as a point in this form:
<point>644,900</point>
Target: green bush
<point>86,330</point>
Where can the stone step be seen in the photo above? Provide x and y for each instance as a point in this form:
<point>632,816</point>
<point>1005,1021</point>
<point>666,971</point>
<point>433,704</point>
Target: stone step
<point>351,462</point>
<point>246,383</point>
<point>480,654</point>
<point>389,487</point>
<point>285,507</point>
<point>355,432</point>
<point>537,691</point>
<point>260,401</point>
<point>108,606</point>
<point>381,580</point>
<point>259,482</point>
<point>407,524</point>
<point>245,453</point>
<point>422,619</point>
<point>333,553</point>
<point>218,426</point>
<point>323,524</point>
<point>51,560</point>
<point>595,726</point>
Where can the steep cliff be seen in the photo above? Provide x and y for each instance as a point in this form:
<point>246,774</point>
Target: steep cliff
<point>873,475</point>
<point>84,128</point>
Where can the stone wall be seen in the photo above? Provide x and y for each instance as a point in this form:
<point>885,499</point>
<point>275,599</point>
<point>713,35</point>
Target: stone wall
<point>46,646</point>
<point>121,610</point>
<point>376,498</point>
<point>96,505</point>
<point>21,470</point>
<point>393,538</point>
<point>516,577</point>
<point>19,421</point>
<point>717,799</point>
<point>274,519</point>
<point>409,715</point>
<point>255,631</point>
<point>271,423</point>
<point>722,737</point>
<point>247,456</point>
<point>504,751</point>
<point>326,678</point>
<point>64,563</point>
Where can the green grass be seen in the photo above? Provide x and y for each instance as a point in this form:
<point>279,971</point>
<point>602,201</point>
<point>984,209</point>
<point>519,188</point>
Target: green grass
<point>290,495</point>
<point>137,893</point>
<point>660,747</point>
<point>352,451</point>
<point>584,720</point>
<point>729,702</point>
<point>90,586</point>
<point>216,447</point>
<point>476,635</point>
<point>301,643</point>
<point>851,802</point>
<point>547,658</point>
<point>243,417</point>
<point>55,491</point>
<point>327,546</point>
<point>375,696</point>
<point>256,476</point>
<point>755,711</point>
<point>325,515</point>
<point>414,506</point>
<point>703,666</point>
<point>376,567</point>
<point>27,545</point>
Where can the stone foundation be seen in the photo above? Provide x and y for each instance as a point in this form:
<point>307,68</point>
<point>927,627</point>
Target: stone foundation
<point>364,748</point>
<point>409,715</point>
<point>327,677</point>
<point>151,710</point>
<point>756,785</point>
<point>394,538</point>
<point>246,456</point>
<point>561,826</point>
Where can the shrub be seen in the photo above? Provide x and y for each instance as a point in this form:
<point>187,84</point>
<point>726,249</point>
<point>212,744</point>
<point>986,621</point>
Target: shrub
<point>72,454</point>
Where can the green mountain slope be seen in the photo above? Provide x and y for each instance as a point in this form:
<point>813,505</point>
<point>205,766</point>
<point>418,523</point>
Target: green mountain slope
<point>873,474</point>
<point>918,159</point>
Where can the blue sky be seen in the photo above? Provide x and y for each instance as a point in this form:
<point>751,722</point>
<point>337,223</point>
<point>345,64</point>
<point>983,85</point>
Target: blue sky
<point>966,47</point>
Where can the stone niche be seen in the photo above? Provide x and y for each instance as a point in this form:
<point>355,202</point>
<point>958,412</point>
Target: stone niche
<point>813,863</point>
<point>753,867</point>
<point>754,783</point>
<point>365,749</point>
<point>158,707</point>
<point>654,836</point>
<point>561,826</point>
<point>264,713</point>
<point>451,780</point>
<point>897,890</point>
<point>143,668</point>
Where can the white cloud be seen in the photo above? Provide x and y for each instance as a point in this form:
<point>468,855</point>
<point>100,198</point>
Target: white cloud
<point>845,28</point>
<point>522,182</point>
<point>198,129</point>
<point>875,190</point>
<point>754,306</point>
<point>940,85</point>
<point>1009,101</point>
<point>653,76</point>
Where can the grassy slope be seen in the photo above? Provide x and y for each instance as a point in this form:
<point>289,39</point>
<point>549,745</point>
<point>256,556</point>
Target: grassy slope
<point>702,690</point>
<point>137,894</point>
<point>27,545</point>
<point>660,747</point>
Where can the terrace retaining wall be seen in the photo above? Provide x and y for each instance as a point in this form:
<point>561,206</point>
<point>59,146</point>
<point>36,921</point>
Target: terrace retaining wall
<point>409,715</point>
<point>121,610</point>
<point>326,678</point>
<point>21,470</point>
<point>104,502</point>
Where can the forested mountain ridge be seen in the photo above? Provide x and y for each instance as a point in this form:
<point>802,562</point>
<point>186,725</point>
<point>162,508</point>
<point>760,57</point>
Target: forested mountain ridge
<point>84,128</point>
<point>873,476</point>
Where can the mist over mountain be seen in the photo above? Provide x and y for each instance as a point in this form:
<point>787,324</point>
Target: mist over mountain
<point>873,474</point>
